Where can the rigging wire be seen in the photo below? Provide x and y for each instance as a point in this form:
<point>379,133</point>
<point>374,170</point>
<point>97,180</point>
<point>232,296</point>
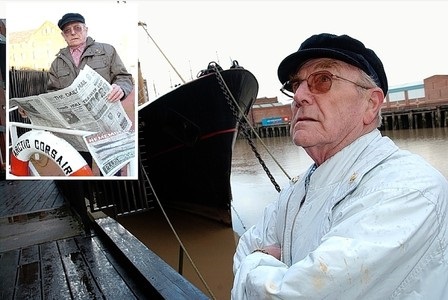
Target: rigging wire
<point>238,216</point>
<point>177,237</point>
<point>143,25</point>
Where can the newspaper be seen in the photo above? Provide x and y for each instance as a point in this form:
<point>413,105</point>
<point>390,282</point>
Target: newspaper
<point>82,106</point>
<point>113,149</point>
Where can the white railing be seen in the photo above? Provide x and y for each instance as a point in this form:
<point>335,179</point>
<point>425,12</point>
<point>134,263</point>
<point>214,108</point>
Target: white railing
<point>131,169</point>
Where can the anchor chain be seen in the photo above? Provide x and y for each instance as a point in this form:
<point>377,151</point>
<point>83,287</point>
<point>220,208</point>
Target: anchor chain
<point>242,122</point>
<point>246,132</point>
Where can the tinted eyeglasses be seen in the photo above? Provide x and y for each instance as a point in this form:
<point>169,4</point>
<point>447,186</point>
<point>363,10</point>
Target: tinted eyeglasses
<point>318,83</point>
<point>76,29</point>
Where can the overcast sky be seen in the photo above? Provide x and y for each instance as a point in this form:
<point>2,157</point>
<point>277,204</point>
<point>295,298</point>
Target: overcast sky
<point>409,36</point>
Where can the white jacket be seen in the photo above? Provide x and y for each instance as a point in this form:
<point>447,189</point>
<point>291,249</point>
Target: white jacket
<point>373,226</point>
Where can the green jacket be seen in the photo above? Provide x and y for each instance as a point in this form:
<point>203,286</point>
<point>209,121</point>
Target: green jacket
<point>101,57</point>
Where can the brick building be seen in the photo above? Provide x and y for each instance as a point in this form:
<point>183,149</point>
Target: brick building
<point>433,90</point>
<point>267,108</point>
<point>270,117</point>
<point>35,49</point>
<point>421,105</point>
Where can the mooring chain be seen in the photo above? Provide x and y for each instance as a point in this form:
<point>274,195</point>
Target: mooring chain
<point>243,124</point>
<point>246,133</point>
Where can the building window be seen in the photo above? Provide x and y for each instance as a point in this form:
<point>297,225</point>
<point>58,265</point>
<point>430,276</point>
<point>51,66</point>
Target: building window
<point>416,94</point>
<point>396,96</point>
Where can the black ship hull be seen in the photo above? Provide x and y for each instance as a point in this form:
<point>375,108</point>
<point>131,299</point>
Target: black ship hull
<point>187,137</point>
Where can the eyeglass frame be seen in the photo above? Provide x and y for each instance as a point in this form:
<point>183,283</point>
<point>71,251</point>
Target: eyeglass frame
<point>285,90</point>
<point>77,28</point>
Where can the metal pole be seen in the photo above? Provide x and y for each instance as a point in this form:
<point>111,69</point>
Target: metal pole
<point>143,25</point>
<point>181,260</point>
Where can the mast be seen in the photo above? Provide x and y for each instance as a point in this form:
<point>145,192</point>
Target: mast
<point>143,25</point>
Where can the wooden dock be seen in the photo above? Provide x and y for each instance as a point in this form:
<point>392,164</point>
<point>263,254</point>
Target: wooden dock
<point>27,196</point>
<point>78,267</point>
<point>47,253</point>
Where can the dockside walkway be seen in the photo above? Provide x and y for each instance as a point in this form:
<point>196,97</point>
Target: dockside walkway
<point>47,252</point>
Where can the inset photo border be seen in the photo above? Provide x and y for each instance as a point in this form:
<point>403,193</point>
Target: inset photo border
<point>70,115</point>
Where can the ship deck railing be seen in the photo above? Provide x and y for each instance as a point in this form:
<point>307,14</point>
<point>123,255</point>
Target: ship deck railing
<point>17,128</point>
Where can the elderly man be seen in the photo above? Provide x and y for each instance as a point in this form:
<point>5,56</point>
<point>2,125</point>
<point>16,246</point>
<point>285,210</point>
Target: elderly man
<point>82,50</point>
<point>365,221</point>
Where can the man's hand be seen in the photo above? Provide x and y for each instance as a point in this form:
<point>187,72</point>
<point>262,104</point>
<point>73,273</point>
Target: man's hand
<point>116,94</point>
<point>273,250</point>
<point>22,112</point>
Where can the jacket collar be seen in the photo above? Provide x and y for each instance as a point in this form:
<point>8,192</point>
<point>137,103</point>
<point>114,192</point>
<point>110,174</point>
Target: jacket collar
<point>348,166</point>
<point>90,42</point>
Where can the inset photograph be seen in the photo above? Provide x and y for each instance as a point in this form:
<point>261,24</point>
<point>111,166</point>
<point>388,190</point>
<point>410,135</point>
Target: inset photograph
<point>71,96</point>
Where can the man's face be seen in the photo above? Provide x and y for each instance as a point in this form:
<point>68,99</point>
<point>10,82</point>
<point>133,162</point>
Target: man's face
<point>74,33</point>
<point>325,122</point>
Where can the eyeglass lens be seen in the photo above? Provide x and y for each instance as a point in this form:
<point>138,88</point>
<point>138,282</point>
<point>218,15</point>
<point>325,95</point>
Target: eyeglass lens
<point>76,29</point>
<point>318,83</point>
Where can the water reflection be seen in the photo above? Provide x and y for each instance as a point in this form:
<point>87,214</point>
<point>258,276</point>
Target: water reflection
<point>252,189</point>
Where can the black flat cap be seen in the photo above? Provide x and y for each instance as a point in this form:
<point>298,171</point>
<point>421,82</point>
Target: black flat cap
<point>340,47</point>
<point>70,17</point>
